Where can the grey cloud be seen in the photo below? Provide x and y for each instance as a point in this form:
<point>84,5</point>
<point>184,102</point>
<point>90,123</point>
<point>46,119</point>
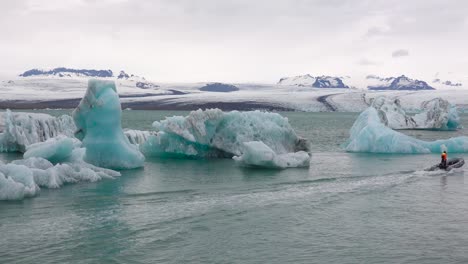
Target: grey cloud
<point>400,53</point>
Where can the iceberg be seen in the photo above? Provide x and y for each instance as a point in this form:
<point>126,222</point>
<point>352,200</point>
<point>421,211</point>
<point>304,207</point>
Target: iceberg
<point>55,150</point>
<point>16,182</point>
<point>23,178</point>
<point>436,114</point>
<point>369,134</point>
<point>19,130</point>
<point>257,154</point>
<point>137,137</point>
<point>98,122</point>
<point>213,133</point>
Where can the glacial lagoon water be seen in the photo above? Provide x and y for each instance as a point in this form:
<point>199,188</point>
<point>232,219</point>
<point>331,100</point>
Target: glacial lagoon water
<point>345,208</point>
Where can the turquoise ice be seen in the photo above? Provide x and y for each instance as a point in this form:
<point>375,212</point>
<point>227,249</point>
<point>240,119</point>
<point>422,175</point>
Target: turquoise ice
<point>369,134</point>
<point>98,122</point>
<point>214,133</point>
<point>55,150</point>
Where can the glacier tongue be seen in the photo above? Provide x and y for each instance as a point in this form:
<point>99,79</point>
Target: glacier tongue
<point>19,130</point>
<point>369,134</point>
<point>98,122</point>
<point>437,114</point>
<point>214,133</point>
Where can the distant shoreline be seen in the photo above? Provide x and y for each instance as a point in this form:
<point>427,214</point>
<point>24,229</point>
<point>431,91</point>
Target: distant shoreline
<point>148,105</point>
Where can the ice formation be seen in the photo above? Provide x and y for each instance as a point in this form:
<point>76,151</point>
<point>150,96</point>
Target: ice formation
<point>98,122</point>
<point>136,137</point>
<point>257,154</point>
<point>213,133</point>
<point>55,150</point>
<point>369,134</point>
<point>22,178</point>
<point>19,130</point>
<point>436,114</point>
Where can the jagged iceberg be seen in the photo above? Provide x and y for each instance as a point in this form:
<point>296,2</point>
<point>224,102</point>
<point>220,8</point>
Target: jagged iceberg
<point>257,154</point>
<point>437,114</point>
<point>98,122</point>
<point>19,130</point>
<point>137,137</point>
<point>369,134</point>
<point>23,178</point>
<point>214,133</point>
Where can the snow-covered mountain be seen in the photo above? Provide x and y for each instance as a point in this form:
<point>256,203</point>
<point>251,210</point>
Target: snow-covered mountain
<point>396,83</point>
<point>316,82</point>
<point>67,72</point>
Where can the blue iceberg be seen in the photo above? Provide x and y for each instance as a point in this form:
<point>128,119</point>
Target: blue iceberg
<point>257,154</point>
<point>369,134</point>
<point>98,122</point>
<point>216,134</point>
<point>55,150</point>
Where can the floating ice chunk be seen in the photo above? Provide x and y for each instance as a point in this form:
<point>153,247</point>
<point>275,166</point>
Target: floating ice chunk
<point>137,137</point>
<point>16,182</point>
<point>257,154</point>
<point>436,114</point>
<point>213,133</point>
<point>98,122</point>
<point>369,134</point>
<point>22,178</point>
<point>55,150</point>
<point>19,130</point>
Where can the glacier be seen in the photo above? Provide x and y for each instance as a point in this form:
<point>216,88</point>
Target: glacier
<point>257,154</point>
<point>19,130</point>
<point>435,114</point>
<point>370,134</point>
<point>213,133</point>
<point>98,122</point>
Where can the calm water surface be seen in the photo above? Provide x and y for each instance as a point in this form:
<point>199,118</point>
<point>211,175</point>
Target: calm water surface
<point>345,208</point>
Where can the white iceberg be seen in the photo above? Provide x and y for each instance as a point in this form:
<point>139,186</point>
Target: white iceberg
<point>23,178</point>
<point>257,154</point>
<point>214,133</point>
<point>19,130</point>
<point>369,134</point>
<point>436,114</point>
<point>16,182</point>
<point>98,122</point>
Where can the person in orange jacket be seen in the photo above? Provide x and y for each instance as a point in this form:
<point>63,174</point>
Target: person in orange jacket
<point>443,162</point>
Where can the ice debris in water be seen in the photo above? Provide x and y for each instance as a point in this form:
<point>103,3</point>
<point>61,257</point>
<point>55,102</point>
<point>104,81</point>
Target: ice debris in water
<point>19,130</point>
<point>22,178</point>
<point>214,133</point>
<point>436,114</point>
<point>369,134</point>
<point>98,122</point>
<point>257,154</point>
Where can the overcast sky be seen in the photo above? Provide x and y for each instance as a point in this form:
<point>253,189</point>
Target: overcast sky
<point>237,41</point>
